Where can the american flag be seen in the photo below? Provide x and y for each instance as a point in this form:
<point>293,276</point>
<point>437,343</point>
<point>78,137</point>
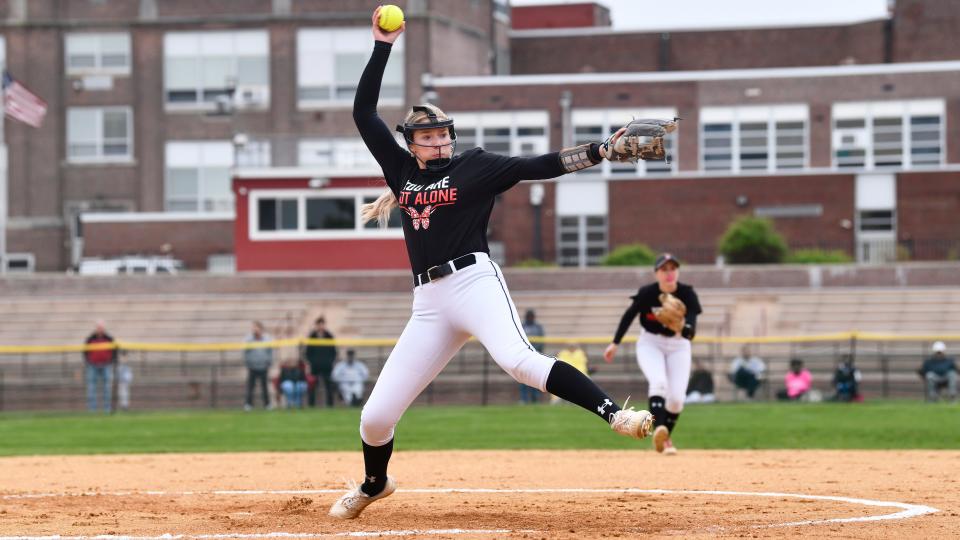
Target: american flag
<point>22,104</point>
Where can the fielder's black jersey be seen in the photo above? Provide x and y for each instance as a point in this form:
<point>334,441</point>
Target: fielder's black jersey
<point>647,300</point>
<point>444,213</point>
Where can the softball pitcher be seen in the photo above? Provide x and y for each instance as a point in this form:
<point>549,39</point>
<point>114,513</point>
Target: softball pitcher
<point>458,291</point>
<point>668,313</point>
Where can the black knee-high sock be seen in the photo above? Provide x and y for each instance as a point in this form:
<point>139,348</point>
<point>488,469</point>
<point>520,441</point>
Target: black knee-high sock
<point>375,459</point>
<point>658,408</point>
<point>671,420</point>
<point>566,382</point>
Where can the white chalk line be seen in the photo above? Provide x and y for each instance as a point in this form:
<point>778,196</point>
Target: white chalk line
<point>907,510</point>
<point>364,534</point>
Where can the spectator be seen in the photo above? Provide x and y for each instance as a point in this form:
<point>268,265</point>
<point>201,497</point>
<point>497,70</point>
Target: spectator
<point>573,355</point>
<point>798,382</point>
<point>124,378</point>
<point>846,380</point>
<point>700,388</point>
<point>321,359</point>
<point>529,394</point>
<point>351,374</point>
<point>293,382</point>
<point>747,371</point>
<point>938,371</point>
<point>258,361</point>
<point>99,367</point>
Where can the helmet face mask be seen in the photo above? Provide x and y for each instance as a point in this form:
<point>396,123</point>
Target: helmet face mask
<point>433,122</point>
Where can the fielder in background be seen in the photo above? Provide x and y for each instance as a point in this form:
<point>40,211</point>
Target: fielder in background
<point>445,203</point>
<point>574,355</point>
<point>668,313</point>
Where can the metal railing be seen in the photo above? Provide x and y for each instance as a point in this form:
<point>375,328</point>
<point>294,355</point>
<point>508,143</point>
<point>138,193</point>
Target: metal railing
<point>168,376</point>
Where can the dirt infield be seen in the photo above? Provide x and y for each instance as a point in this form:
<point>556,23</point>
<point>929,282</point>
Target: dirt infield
<point>580,494</point>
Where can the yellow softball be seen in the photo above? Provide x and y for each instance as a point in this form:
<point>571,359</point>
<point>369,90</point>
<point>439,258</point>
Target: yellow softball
<point>391,17</point>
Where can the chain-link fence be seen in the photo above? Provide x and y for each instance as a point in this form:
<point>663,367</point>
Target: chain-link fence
<point>174,376</point>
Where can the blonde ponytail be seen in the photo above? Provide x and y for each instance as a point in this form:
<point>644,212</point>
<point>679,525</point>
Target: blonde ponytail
<point>379,209</point>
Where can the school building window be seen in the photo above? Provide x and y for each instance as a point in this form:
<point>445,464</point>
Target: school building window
<point>201,68</point>
<point>888,134</point>
<point>197,176</point>
<point>329,64</point>
<point>754,138</point>
<point>518,133</point>
<point>99,135</point>
<point>340,153</point>
<point>595,125</point>
<point>309,214</point>
<point>107,53</point>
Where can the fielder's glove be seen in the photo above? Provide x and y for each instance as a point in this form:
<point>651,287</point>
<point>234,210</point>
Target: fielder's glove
<point>641,139</point>
<point>672,313</point>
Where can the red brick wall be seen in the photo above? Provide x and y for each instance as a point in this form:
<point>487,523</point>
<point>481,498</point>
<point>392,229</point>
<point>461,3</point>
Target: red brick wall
<point>51,259</point>
<point>688,217</point>
<point>926,30</point>
<point>559,16</point>
<point>716,49</point>
<point>928,214</point>
<point>211,8</point>
<point>192,242</point>
<point>621,53</point>
<point>512,223</point>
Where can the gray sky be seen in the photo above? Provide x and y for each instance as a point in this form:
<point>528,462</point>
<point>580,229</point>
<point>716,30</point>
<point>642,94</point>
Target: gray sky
<point>675,14</point>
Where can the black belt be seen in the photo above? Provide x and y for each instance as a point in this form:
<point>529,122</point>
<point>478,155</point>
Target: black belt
<point>436,272</point>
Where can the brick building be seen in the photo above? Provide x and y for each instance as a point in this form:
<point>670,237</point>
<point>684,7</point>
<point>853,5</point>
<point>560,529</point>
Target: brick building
<point>845,135</point>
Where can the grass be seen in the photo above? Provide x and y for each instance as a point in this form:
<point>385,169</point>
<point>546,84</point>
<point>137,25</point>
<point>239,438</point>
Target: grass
<point>872,425</point>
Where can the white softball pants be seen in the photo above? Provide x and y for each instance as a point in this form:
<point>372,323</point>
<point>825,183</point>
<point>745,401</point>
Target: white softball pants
<point>665,362</point>
<point>446,312</point>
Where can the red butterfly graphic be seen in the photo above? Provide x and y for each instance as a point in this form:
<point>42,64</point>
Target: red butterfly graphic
<point>422,217</point>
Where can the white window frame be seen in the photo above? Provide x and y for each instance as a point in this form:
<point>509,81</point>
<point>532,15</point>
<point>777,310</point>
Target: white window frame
<point>868,111</point>
<point>29,260</point>
<point>583,229</point>
<point>301,233</point>
<point>70,41</point>
<point>316,52</point>
<point>768,114</point>
<point>204,147</point>
<point>254,153</point>
<point>514,121</point>
<point>99,141</point>
<point>346,153</point>
<point>233,45</point>
<point>609,121</point>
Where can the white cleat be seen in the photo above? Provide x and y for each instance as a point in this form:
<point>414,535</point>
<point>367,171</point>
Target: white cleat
<point>636,424</point>
<point>351,503</point>
<point>661,436</point>
<point>669,449</point>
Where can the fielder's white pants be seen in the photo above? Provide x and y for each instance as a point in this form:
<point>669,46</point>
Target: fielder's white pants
<point>665,362</point>
<point>446,312</point>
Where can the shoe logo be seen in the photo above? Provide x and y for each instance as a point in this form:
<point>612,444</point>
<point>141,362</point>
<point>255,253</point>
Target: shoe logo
<point>371,479</point>
<point>602,408</point>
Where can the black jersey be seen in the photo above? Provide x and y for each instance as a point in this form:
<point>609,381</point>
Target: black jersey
<point>444,213</point>
<point>647,300</point>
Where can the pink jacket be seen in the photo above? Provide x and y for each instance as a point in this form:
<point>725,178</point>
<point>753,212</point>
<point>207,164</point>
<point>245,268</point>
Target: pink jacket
<point>797,383</point>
